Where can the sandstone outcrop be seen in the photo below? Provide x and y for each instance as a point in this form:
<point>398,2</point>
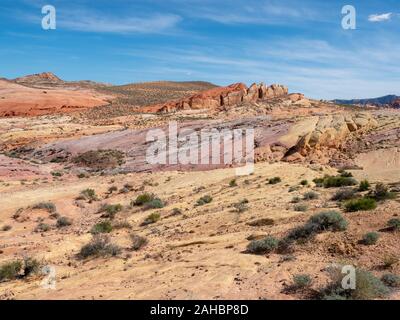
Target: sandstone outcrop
<point>330,132</point>
<point>222,98</point>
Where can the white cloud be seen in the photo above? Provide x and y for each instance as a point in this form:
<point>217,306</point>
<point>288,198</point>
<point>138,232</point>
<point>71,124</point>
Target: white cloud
<point>380,17</point>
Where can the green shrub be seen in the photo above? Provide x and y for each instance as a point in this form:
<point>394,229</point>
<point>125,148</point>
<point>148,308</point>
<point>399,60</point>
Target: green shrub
<point>263,246</point>
<point>102,227</point>
<point>381,192</point>
<point>233,183</point>
<point>176,212</point>
<point>370,238</point>
<point>368,287</point>
<point>204,200</point>
<point>274,180</point>
<point>156,203</point>
<point>110,210</point>
<point>344,194</point>
<point>301,281</point>
<point>138,242</point>
<point>296,199</point>
<point>389,261</point>
<point>112,189</point>
<point>142,199</point>
<point>99,246</point>
<point>391,280</point>
<point>88,194</point>
<point>304,182</point>
<point>152,218</point>
<point>364,185</point>
<point>346,174</point>
<point>121,225</point>
<point>241,206</point>
<point>261,222</point>
<point>324,221</point>
<point>300,207</point>
<point>42,227</point>
<point>10,270</point>
<point>338,181</point>
<point>394,224</point>
<point>48,206</point>
<point>63,222</point>
<point>361,204</point>
<point>310,195</point>
<point>31,266</point>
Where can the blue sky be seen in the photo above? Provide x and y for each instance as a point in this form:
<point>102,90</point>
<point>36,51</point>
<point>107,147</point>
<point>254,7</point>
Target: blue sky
<point>297,43</point>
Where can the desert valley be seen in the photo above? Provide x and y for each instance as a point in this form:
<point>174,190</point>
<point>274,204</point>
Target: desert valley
<point>83,215</point>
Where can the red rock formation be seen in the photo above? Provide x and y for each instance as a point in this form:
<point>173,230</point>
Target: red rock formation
<point>221,98</point>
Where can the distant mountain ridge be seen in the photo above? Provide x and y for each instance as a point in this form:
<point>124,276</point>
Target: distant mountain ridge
<point>380,101</point>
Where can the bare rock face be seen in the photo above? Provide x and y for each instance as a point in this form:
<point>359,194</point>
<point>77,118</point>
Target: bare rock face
<point>396,104</point>
<point>221,98</point>
<point>330,132</point>
<point>44,77</point>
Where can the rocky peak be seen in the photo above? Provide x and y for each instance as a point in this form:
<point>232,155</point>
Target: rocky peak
<point>44,77</point>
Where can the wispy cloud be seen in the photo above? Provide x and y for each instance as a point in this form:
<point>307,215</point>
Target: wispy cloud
<point>380,17</point>
<point>157,23</point>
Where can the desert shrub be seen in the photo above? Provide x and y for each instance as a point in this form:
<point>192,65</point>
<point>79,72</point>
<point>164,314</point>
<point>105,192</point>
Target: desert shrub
<point>156,203</point>
<point>152,218</point>
<point>142,199</point>
<point>361,204</point>
<point>204,200</point>
<point>261,222</point>
<point>364,185</point>
<point>394,224</point>
<point>301,281</point>
<point>274,180</point>
<point>304,182</point>
<point>368,287</point>
<point>293,189</point>
<point>126,188</point>
<point>324,221</point>
<point>266,245</point>
<point>56,174</point>
<point>241,206</point>
<point>102,227</point>
<point>233,183</point>
<point>110,210</point>
<point>382,192</point>
<point>344,194</point>
<point>300,207</point>
<point>346,174</point>
<point>310,195</point>
<point>338,181</point>
<point>6,227</point>
<point>99,246</point>
<point>370,238</point>
<point>112,189</point>
<point>31,266</point>
<point>296,199</point>
<point>10,270</point>
<point>100,159</point>
<point>285,246</point>
<point>389,261</point>
<point>88,194</point>
<point>121,225</point>
<point>138,242</point>
<point>81,175</point>
<point>48,206</point>
<point>63,222</point>
<point>42,227</point>
<point>391,280</point>
<point>176,212</point>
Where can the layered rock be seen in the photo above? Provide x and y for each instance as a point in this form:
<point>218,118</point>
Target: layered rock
<point>330,132</point>
<point>221,98</point>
